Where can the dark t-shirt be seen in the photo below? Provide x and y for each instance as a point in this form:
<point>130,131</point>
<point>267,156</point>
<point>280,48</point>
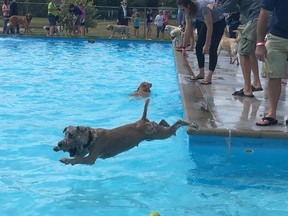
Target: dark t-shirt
<point>13,9</point>
<point>149,18</point>
<point>278,22</point>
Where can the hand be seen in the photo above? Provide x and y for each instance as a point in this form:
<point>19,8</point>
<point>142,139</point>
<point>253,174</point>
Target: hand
<point>261,53</point>
<point>206,49</point>
<point>210,6</point>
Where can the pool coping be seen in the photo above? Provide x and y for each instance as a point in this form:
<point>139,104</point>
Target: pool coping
<point>198,110</point>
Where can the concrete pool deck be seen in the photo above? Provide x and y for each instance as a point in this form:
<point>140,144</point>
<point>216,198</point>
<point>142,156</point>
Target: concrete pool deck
<point>217,112</point>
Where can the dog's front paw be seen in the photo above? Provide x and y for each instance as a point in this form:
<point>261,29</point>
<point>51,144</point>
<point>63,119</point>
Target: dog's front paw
<point>65,161</point>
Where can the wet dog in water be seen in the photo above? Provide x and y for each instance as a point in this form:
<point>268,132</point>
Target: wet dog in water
<point>86,144</point>
<point>143,90</point>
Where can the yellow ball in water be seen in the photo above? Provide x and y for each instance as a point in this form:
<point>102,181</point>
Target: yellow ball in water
<point>154,214</point>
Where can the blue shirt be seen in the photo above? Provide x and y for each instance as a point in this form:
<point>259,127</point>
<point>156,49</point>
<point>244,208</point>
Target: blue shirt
<point>279,18</point>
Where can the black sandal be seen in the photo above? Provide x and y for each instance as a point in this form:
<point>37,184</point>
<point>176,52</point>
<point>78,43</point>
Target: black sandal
<point>242,94</point>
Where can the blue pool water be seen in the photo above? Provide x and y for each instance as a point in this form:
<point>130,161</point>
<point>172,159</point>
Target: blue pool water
<point>48,84</point>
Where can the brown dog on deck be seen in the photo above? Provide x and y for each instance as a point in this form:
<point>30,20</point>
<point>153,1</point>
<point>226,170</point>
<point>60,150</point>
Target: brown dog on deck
<point>87,144</point>
<point>143,90</point>
<point>23,21</point>
<point>230,45</point>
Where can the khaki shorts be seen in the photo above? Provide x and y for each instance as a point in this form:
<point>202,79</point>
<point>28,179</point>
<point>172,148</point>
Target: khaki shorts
<point>275,64</point>
<point>247,44</point>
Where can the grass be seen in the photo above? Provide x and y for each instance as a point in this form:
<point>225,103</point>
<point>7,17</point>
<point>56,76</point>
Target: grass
<point>98,32</point>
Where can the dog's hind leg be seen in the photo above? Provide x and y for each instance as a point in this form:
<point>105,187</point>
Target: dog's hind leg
<point>164,123</point>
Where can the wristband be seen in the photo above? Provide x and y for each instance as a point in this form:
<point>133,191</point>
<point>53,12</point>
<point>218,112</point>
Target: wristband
<point>260,44</point>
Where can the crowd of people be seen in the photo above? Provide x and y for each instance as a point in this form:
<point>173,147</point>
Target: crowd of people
<point>261,15</point>
<point>160,21</point>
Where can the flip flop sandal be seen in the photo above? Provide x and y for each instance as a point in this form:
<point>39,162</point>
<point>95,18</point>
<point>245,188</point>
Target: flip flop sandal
<point>242,94</point>
<point>197,77</point>
<point>270,121</point>
<point>256,89</point>
<point>204,82</point>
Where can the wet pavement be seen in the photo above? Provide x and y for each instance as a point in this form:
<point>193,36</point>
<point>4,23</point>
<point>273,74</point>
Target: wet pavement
<point>217,111</point>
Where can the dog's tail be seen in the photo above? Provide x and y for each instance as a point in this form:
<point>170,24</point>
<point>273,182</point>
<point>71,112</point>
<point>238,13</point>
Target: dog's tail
<point>238,35</point>
<point>145,109</point>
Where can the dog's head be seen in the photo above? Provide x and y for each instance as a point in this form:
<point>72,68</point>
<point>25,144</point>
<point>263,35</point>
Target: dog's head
<point>29,17</point>
<point>144,87</point>
<point>91,40</point>
<point>76,141</point>
<point>176,33</point>
<point>109,27</point>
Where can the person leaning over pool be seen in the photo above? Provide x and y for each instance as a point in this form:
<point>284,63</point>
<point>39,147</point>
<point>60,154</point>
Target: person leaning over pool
<point>210,25</point>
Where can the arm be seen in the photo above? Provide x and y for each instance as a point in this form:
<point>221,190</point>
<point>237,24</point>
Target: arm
<point>209,24</point>
<point>188,30</point>
<point>261,51</point>
<point>119,14</point>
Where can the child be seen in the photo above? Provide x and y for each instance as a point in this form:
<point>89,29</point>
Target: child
<point>136,24</point>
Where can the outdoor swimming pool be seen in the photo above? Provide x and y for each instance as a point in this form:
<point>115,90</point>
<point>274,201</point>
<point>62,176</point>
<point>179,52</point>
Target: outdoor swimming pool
<point>48,84</point>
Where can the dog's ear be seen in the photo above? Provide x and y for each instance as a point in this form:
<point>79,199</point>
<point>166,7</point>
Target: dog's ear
<point>65,129</point>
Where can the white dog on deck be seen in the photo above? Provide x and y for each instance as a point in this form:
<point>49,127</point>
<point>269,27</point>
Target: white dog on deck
<point>47,29</point>
<point>176,34</point>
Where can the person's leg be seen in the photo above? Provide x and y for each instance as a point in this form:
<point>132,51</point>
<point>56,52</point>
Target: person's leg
<point>274,91</point>
<point>245,63</point>
<point>5,21</point>
<point>218,31</point>
<point>248,60</point>
<point>274,68</point>
<point>17,29</point>
<point>255,70</point>
<point>201,30</point>
<point>162,32</point>
<point>157,32</point>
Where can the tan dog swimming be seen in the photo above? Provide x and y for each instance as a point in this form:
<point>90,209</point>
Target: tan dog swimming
<point>143,90</point>
<point>86,144</point>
